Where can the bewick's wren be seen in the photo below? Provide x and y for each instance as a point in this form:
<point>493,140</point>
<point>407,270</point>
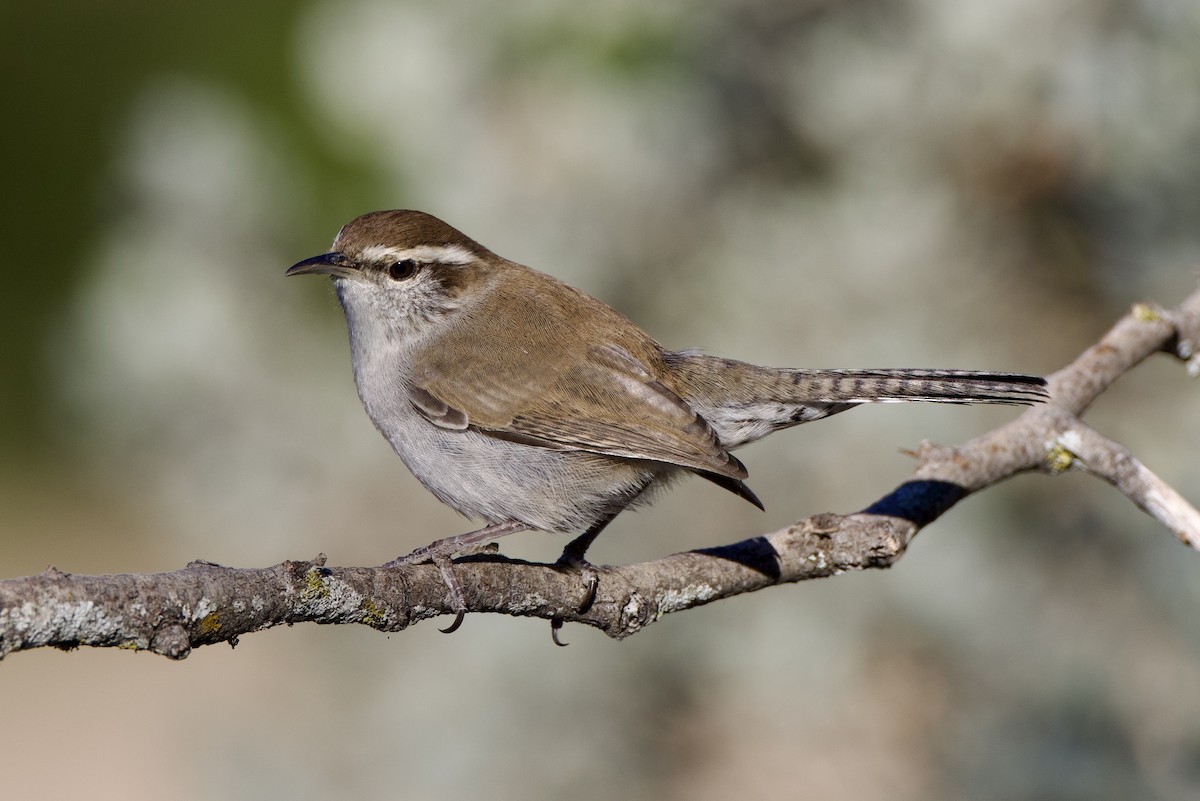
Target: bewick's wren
<point>521,401</point>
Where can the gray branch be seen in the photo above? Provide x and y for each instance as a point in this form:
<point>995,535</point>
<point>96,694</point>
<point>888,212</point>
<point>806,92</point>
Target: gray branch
<point>172,613</point>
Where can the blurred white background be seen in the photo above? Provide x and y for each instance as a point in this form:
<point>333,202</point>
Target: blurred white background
<point>925,183</point>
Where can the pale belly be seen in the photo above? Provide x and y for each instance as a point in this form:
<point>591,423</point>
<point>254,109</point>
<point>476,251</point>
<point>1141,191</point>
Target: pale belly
<point>496,480</point>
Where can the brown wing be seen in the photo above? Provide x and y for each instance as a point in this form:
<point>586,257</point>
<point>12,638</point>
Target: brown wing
<point>608,403</point>
<point>599,398</point>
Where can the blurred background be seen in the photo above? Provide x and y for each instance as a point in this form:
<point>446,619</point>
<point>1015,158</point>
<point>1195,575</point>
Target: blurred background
<point>929,183</point>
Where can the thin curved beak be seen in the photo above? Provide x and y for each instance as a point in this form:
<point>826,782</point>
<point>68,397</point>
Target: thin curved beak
<point>335,264</point>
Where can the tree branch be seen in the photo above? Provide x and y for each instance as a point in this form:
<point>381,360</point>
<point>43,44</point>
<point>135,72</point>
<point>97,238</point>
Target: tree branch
<point>172,613</point>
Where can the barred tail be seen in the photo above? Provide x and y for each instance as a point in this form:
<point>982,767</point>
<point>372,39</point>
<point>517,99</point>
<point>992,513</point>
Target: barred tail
<point>744,402</point>
<point>938,386</point>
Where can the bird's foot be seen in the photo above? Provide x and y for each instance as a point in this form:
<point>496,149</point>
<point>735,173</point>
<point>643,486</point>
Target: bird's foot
<point>443,563</point>
<point>439,554</point>
<point>574,562</point>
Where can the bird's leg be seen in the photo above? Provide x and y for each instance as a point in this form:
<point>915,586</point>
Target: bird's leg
<point>573,558</point>
<point>439,554</point>
<point>573,554</point>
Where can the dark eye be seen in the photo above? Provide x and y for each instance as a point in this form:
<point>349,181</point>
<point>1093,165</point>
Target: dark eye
<point>400,270</point>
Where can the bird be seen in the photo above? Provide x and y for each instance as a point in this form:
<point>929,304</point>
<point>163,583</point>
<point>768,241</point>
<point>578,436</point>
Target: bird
<point>525,403</point>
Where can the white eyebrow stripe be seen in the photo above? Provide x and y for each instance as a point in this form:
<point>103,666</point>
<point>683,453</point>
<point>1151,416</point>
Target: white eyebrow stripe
<point>443,254</point>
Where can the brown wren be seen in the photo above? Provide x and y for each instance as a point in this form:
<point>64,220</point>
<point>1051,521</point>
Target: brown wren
<point>521,401</point>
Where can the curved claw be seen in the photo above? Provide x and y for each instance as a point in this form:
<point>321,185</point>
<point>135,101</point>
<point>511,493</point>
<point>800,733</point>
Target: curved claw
<point>458,620</point>
<point>556,623</point>
<point>591,582</point>
<point>591,579</point>
<point>456,592</point>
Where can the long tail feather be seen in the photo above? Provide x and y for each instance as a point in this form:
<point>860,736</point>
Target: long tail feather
<point>938,386</point>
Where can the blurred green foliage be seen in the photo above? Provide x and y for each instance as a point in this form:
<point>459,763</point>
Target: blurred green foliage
<point>70,71</point>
